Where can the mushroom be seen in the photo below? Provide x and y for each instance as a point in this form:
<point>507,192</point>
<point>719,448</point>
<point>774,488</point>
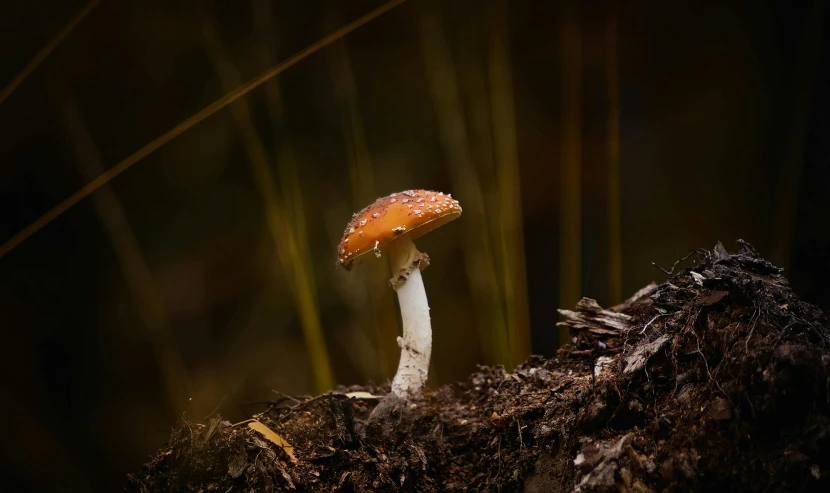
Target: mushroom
<point>391,224</point>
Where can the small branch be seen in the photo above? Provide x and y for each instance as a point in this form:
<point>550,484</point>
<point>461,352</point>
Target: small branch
<point>671,272</point>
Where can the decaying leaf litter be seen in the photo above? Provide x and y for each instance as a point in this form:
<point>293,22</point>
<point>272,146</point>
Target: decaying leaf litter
<point>719,378</point>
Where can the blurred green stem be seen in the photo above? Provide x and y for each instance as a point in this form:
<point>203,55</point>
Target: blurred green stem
<point>148,303</point>
<point>284,215</point>
<point>612,90</point>
<point>508,189</point>
<point>479,258</point>
<point>792,165</point>
<point>382,313</point>
<point>570,192</point>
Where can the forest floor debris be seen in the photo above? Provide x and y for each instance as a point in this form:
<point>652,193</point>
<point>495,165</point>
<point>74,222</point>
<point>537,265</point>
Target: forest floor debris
<point>719,378</point>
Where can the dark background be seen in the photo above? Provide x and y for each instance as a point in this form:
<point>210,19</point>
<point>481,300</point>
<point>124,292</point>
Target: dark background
<point>171,270</point>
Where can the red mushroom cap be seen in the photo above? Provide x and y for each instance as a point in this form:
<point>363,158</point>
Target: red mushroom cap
<point>412,213</point>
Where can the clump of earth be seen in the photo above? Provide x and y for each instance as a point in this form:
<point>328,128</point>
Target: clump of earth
<point>717,379</point>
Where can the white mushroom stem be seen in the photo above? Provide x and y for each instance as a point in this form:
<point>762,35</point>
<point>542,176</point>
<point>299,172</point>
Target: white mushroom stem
<point>416,343</point>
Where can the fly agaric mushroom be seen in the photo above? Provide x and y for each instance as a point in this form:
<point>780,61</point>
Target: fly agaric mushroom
<point>389,225</point>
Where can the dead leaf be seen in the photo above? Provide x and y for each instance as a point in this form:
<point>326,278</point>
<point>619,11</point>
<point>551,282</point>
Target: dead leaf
<point>237,464</point>
<point>719,409</point>
<point>273,437</point>
<point>363,395</point>
<point>211,429</point>
<point>643,353</point>
<point>714,297</point>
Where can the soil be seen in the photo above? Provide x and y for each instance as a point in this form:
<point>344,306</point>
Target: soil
<point>718,379</point>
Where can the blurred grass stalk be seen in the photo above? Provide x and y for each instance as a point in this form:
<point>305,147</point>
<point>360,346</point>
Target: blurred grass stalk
<point>479,259</point>
<point>41,446</point>
<point>188,123</point>
<point>380,313</point>
<point>285,216</point>
<point>294,204</point>
<point>570,193</point>
<point>490,259</point>
<point>148,302</point>
<point>612,90</point>
<point>792,165</point>
<point>44,52</point>
<point>508,188</point>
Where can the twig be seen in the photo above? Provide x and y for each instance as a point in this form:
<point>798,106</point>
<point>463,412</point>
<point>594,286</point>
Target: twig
<point>298,401</point>
<point>651,321</point>
<point>708,372</point>
<point>751,407</point>
<point>215,409</point>
<point>671,272</point>
<point>782,333</point>
<point>754,321</point>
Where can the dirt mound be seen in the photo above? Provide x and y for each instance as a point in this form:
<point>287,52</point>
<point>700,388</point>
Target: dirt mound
<point>718,379</point>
